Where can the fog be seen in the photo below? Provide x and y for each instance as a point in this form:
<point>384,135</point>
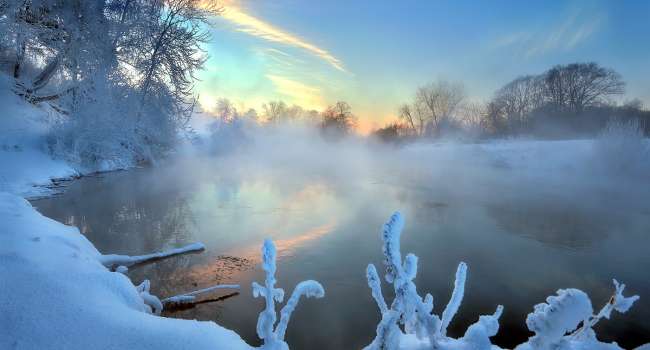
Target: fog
<point>528,216</point>
<point>574,171</point>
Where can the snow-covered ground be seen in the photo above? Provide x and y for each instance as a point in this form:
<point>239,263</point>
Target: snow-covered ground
<point>23,160</point>
<point>56,294</point>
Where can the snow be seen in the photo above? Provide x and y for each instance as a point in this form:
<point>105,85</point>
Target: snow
<point>57,293</point>
<point>375,286</point>
<point>190,297</point>
<point>555,323</point>
<point>113,261</point>
<point>62,296</point>
<point>24,163</point>
<point>274,338</point>
<point>559,315</point>
<point>456,298</point>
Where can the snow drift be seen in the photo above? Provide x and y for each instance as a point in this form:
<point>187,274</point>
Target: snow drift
<point>56,293</point>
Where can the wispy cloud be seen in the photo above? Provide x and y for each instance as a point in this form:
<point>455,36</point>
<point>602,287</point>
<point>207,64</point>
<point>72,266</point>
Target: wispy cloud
<point>252,25</point>
<point>298,92</point>
<point>565,35</point>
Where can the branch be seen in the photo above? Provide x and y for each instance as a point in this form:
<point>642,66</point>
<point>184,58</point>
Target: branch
<point>310,289</point>
<point>374,284</point>
<point>190,297</point>
<point>112,261</point>
<point>456,298</point>
<point>617,302</point>
<point>152,301</point>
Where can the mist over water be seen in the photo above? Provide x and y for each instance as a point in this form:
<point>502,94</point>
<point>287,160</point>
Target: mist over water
<point>529,217</point>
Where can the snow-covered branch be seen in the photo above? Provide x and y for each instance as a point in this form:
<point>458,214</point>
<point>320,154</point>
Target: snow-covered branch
<point>409,324</point>
<point>153,304</point>
<point>274,339</point>
<point>190,297</point>
<point>456,298</point>
<point>375,285</point>
<point>617,302</point>
<point>310,289</point>
<point>114,261</point>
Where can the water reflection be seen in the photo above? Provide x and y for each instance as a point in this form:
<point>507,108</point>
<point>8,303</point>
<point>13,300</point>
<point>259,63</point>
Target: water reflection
<point>514,243</point>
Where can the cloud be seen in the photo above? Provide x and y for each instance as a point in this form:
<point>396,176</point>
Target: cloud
<point>254,26</point>
<point>299,93</point>
<point>565,36</point>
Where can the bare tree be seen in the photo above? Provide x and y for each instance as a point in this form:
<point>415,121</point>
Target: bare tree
<point>338,120</point>
<point>433,103</point>
<point>580,85</point>
<point>517,99</point>
<point>473,117</point>
<point>438,101</point>
<point>226,111</point>
<point>413,117</point>
<point>274,111</point>
<point>394,132</point>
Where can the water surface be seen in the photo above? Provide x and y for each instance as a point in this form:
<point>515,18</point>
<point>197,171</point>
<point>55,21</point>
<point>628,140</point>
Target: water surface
<point>520,245</point>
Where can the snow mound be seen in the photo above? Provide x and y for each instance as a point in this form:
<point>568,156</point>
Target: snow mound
<point>58,295</point>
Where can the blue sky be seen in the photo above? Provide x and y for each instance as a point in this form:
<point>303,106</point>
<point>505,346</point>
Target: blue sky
<point>374,54</point>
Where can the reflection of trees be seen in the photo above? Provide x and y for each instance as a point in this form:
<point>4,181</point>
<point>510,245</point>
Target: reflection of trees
<point>124,213</point>
<point>129,213</point>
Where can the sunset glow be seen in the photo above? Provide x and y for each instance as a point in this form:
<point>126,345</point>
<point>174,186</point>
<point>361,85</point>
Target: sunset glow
<point>314,54</point>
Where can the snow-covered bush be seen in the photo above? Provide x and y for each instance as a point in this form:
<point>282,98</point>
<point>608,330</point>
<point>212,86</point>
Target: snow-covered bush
<point>621,147</point>
<point>413,312</point>
<point>274,338</point>
<point>564,312</point>
<point>410,324</point>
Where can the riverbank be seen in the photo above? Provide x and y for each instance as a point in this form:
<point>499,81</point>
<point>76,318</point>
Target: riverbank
<point>56,294</point>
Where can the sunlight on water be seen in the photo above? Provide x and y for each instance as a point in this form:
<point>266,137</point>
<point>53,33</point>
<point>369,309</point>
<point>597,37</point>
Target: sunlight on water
<point>524,232</point>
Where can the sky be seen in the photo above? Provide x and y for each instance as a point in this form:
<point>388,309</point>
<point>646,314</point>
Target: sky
<point>374,54</point>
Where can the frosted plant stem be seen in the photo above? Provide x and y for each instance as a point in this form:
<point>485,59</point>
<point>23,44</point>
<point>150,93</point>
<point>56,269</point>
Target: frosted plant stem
<point>617,302</point>
<point>456,298</point>
<point>307,288</point>
<point>374,284</point>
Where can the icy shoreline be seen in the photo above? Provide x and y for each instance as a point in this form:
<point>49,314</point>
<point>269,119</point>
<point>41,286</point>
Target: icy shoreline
<point>57,294</point>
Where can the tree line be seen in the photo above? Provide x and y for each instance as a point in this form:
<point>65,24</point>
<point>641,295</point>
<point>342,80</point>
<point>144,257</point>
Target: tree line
<point>572,100</point>
<point>335,121</point>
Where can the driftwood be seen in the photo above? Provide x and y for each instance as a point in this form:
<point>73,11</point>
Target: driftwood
<point>173,307</point>
<point>190,297</point>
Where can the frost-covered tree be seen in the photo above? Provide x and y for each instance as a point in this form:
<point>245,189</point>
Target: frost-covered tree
<point>120,72</point>
<point>274,337</point>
